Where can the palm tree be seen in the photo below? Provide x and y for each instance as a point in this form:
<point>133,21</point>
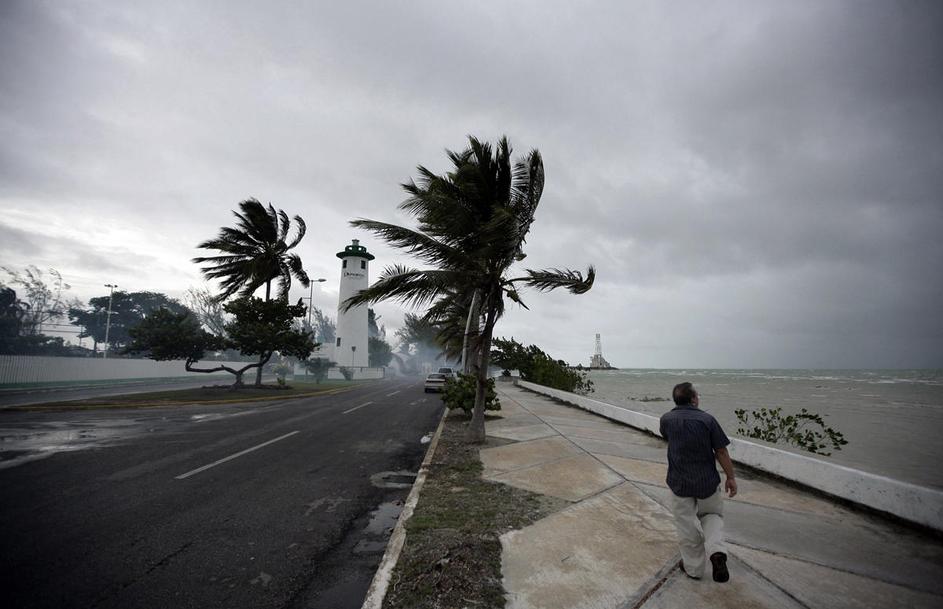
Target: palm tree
<point>255,252</point>
<point>472,225</point>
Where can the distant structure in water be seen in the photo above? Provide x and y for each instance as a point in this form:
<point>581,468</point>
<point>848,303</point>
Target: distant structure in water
<point>598,362</point>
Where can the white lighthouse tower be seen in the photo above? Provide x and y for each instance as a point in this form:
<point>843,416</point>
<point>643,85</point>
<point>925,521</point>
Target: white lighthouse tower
<point>350,343</point>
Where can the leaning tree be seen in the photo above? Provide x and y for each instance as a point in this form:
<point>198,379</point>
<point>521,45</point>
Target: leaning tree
<point>255,253</point>
<point>472,225</point>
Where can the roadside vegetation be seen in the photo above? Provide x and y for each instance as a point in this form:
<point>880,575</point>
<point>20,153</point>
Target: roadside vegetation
<point>537,367</point>
<point>452,554</point>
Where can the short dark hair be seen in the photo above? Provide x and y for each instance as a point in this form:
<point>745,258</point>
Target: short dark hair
<point>683,393</point>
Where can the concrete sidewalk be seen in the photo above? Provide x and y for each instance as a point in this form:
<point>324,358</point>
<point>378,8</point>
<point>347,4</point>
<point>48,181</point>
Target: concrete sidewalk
<point>614,546</point>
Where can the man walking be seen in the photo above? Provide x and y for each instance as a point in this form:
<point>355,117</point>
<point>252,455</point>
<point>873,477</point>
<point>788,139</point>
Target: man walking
<point>695,441</point>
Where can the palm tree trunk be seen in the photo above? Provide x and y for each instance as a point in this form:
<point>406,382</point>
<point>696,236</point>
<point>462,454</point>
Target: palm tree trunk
<point>476,429</point>
<point>468,349</point>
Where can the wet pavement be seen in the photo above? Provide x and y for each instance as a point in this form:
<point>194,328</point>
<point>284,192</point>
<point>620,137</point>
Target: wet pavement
<point>290,506</point>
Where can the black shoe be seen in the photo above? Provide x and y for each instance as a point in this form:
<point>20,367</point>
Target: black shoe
<point>719,564</point>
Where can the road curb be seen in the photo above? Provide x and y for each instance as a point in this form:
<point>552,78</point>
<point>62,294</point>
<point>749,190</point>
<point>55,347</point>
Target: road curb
<point>381,580</point>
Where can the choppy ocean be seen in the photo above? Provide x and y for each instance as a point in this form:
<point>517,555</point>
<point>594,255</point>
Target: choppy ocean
<point>892,419</point>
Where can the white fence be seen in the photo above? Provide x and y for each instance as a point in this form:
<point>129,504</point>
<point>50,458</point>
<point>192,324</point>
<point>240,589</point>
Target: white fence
<point>359,373</point>
<point>21,369</point>
<point>908,501</point>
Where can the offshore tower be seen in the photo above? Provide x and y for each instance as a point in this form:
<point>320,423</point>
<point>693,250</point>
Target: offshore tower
<point>598,361</point>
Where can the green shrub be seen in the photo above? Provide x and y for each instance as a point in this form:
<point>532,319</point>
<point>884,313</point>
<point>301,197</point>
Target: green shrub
<point>347,373</point>
<point>538,367</point>
<point>460,393</point>
<point>319,367</point>
<point>770,426</point>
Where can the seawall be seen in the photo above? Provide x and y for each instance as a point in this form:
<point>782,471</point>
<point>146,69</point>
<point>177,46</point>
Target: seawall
<point>917,504</point>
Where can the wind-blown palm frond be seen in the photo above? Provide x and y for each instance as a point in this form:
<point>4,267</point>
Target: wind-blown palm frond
<point>414,242</point>
<point>255,252</point>
<point>410,286</point>
<point>551,279</point>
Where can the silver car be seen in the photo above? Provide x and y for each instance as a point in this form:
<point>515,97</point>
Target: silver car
<point>435,382</point>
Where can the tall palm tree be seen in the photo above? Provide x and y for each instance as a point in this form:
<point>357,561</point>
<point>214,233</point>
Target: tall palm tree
<point>255,252</point>
<point>472,225</point>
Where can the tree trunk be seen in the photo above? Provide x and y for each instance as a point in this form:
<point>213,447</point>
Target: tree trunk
<point>476,429</point>
<point>263,359</point>
<point>468,347</point>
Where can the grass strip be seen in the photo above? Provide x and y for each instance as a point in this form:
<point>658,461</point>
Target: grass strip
<point>452,553</point>
<point>217,394</point>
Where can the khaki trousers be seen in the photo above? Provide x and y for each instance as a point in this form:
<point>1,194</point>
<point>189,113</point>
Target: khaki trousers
<point>700,524</point>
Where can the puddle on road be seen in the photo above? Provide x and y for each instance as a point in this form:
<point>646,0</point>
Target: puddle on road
<point>383,519</point>
<point>379,528</point>
<point>400,479</point>
<point>22,445</point>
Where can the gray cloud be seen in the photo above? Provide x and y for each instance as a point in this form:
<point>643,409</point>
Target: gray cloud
<point>759,183</point>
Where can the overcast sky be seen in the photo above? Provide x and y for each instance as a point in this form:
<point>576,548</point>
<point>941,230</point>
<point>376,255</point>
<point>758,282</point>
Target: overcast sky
<point>759,184</point>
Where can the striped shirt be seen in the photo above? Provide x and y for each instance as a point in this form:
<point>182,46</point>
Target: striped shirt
<point>693,436</point>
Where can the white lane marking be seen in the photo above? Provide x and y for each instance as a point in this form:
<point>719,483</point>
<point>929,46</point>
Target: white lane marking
<point>394,393</point>
<point>414,402</point>
<point>357,407</point>
<point>231,457</point>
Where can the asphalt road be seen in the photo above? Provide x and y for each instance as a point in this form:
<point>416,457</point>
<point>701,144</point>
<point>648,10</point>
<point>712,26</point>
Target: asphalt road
<point>40,395</point>
<point>275,504</point>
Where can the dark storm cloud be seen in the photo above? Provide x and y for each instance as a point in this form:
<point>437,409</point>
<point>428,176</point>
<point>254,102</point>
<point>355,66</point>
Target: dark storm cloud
<point>766,176</point>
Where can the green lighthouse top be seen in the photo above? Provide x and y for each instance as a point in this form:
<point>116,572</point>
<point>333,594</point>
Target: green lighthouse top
<point>355,250</point>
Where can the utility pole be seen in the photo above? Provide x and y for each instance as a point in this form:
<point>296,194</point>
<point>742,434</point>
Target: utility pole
<point>111,295</point>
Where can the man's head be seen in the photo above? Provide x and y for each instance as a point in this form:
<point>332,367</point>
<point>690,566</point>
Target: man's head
<point>684,395</point>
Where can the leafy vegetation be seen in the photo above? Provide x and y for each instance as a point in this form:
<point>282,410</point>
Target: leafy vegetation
<point>537,367</point>
<point>380,353</point>
<point>128,309</point>
<point>255,253</point>
<point>318,368</point>
<point>258,327</point>
<point>472,225</point>
<point>459,393</point>
<point>805,430</point>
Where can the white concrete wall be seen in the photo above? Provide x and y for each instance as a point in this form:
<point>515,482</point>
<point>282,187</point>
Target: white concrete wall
<point>38,369</point>
<point>913,503</point>
<point>335,373</point>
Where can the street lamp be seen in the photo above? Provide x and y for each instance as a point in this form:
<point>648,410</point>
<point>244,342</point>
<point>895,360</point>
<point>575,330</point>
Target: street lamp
<point>310,309</point>
<point>111,295</point>
<point>311,298</point>
<point>353,349</point>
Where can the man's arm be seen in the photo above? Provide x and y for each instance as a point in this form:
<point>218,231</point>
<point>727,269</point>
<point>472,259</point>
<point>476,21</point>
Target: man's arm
<point>723,457</point>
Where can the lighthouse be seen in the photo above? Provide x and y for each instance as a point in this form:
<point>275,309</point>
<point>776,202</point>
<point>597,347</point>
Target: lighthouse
<point>350,342</point>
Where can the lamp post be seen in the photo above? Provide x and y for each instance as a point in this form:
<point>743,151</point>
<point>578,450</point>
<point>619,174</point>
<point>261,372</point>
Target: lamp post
<point>353,349</point>
<point>311,298</point>
<point>310,309</point>
<point>111,295</point>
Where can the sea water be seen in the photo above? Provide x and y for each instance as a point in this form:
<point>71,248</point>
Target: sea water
<point>892,419</point>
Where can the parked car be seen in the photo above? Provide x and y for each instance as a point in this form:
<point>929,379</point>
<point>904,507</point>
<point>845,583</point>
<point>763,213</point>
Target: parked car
<point>449,372</point>
<point>435,382</point>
